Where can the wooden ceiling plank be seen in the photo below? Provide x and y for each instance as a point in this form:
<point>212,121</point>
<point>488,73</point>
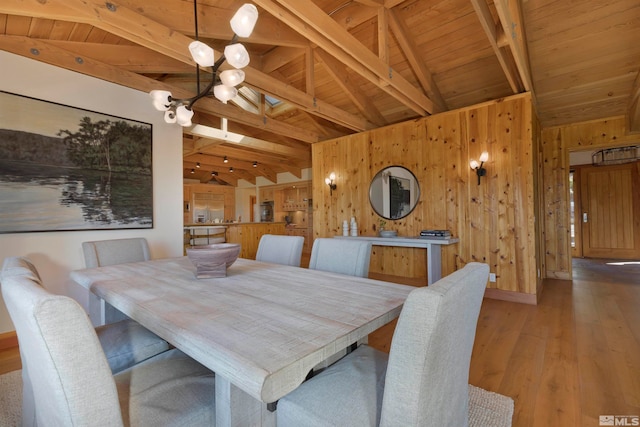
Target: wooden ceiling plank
<point>411,52</point>
<point>497,40</point>
<point>338,42</point>
<point>55,10</point>
<point>341,77</point>
<point>279,56</point>
<point>132,58</point>
<point>510,13</point>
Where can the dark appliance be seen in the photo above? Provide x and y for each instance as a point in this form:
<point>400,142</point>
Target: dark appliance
<point>266,212</point>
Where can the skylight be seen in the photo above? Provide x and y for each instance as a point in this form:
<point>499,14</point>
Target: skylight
<point>272,101</point>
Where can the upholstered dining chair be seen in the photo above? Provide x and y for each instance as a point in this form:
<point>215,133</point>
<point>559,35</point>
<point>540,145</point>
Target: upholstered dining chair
<point>100,253</point>
<point>341,256</point>
<point>278,249</point>
<point>125,343</point>
<point>71,381</point>
<point>424,379</point>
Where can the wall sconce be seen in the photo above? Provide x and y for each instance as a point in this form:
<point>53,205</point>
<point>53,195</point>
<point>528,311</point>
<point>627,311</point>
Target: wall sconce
<point>330,183</point>
<point>480,171</point>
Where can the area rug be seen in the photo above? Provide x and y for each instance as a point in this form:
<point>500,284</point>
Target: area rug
<point>489,409</point>
<point>11,399</point>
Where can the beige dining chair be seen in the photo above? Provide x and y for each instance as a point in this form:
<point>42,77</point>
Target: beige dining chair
<point>342,256</point>
<point>125,343</point>
<point>278,249</point>
<point>422,382</point>
<point>69,374</point>
<point>100,253</point>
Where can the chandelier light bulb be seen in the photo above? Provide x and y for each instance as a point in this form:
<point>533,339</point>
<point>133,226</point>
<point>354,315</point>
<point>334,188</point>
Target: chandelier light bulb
<point>237,55</point>
<point>232,77</point>
<point>161,99</point>
<point>183,116</point>
<point>224,93</point>
<point>201,53</point>
<point>244,20</point>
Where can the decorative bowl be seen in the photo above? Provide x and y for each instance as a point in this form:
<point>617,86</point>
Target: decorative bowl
<point>213,260</point>
<point>388,233</point>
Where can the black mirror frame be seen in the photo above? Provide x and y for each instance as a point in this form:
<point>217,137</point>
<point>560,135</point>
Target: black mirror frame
<point>380,176</point>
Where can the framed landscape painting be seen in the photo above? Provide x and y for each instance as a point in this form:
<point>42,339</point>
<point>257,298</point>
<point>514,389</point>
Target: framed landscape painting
<point>65,168</point>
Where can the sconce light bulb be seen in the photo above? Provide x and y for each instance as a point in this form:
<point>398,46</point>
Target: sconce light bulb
<point>332,176</point>
<point>474,164</point>
<point>484,157</point>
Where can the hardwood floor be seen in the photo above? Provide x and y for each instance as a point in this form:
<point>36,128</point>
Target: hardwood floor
<point>573,357</point>
<point>568,360</point>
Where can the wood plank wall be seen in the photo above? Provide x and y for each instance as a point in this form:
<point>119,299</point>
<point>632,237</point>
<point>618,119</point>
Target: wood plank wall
<point>557,143</point>
<point>494,220</point>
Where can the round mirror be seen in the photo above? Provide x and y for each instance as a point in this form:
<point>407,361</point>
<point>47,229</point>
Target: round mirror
<point>394,192</point>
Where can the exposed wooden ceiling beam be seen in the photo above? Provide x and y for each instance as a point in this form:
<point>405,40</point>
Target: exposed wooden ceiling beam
<point>510,13</point>
<point>410,50</point>
<point>305,17</point>
<point>494,36</point>
<point>132,58</point>
<point>341,77</point>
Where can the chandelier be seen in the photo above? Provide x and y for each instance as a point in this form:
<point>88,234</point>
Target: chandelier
<point>223,85</point>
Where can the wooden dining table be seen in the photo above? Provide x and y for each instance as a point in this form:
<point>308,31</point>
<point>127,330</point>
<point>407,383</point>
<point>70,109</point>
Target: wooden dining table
<point>261,329</point>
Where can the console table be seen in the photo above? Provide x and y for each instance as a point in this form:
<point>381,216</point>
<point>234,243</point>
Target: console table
<point>432,245</point>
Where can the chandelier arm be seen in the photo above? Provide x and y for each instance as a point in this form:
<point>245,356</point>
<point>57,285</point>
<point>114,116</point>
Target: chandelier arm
<point>214,71</point>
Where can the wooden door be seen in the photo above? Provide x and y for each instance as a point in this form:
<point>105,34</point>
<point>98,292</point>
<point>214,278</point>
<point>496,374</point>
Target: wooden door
<point>611,211</point>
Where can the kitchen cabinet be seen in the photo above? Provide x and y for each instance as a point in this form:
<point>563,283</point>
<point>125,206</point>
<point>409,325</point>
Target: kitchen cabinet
<point>267,194</point>
<point>292,204</point>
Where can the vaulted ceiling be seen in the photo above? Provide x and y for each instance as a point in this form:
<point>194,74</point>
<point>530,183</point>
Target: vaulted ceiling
<point>321,69</point>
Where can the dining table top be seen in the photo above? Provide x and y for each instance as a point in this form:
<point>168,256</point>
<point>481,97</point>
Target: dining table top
<point>263,327</point>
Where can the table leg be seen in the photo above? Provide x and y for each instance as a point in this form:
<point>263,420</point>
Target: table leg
<point>235,408</point>
<point>434,264</point>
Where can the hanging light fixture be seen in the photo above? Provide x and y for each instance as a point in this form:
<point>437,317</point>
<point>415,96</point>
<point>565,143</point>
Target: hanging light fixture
<point>181,110</point>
